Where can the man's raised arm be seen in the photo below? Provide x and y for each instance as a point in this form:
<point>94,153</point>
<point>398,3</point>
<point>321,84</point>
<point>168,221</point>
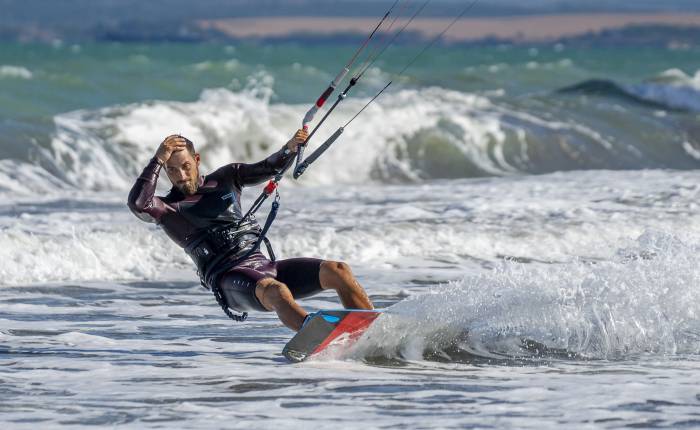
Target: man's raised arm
<point>142,200</point>
<point>252,174</point>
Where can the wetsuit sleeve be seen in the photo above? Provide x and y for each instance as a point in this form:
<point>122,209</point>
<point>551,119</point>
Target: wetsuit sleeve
<point>142,200</point>
<point>252,174</point>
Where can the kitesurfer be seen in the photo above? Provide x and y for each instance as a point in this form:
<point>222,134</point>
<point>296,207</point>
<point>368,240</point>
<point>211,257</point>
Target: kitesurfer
<point>203,215</point>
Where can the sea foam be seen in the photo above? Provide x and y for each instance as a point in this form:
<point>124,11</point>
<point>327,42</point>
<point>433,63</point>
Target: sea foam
<point>643,301</point>
<point>9,71</point>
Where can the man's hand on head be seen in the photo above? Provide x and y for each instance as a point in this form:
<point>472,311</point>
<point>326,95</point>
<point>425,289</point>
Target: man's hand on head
<point>172,143</point>
<point>299,138</point>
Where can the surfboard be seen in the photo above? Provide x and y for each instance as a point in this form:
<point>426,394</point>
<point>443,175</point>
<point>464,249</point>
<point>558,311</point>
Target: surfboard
<point>326,326</point>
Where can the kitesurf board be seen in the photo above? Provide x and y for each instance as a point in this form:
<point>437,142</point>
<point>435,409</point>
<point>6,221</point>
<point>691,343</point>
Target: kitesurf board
<point>326,326</point>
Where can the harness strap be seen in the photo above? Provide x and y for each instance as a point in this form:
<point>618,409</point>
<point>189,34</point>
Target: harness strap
<point>212,278</point>
<point>222,302</point>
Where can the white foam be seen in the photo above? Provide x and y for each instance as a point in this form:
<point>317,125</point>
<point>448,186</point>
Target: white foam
<point>105,149</point>
<point>45,242</point>
<point>83,339</point>
<point>644,301</point>
<point>673,88</point>
<point>18,178</point>
<point>679,78</point>
<point>674,96</point>
<point>441,229</point>
<point>17,72</point>
<point>691,150</point>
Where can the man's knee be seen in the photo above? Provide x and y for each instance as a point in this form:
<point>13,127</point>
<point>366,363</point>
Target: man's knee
<point>335,274</point>
<point>336,268</point>
<point>272,293</point>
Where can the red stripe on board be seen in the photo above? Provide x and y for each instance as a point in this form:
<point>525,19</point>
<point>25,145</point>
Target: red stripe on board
<point>354,324</point>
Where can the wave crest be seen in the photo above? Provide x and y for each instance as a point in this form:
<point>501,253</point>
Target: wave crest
<point>672,90</point>
<point>409,135</point>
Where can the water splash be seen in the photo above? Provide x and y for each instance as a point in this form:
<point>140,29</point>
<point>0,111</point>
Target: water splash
<point>644,301</point>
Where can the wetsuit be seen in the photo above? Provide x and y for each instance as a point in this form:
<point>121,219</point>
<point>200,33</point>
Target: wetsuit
<point>207,225</point>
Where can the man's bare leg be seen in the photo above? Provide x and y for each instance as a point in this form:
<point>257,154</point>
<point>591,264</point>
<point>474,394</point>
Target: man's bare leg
<point>275,296</point>
<point>337,276</point>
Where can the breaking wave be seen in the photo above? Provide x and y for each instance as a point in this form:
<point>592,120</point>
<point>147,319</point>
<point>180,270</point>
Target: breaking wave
<point>16,72</point>
<point>411,135</point>
<point>672,90</point>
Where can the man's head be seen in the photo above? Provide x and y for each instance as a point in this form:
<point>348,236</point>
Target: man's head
<point>183,169</point>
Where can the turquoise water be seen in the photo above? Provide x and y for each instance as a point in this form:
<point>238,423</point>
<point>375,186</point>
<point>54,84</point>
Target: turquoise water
<point>68,77</point>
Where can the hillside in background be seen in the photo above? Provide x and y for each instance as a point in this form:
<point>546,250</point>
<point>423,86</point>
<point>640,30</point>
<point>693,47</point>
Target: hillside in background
<point>175,20</point>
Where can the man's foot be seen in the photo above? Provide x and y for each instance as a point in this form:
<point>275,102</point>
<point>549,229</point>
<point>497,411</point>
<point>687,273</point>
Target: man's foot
<point>308,318</point>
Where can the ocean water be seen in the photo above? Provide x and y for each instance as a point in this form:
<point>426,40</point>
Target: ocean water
<point>528,215</point>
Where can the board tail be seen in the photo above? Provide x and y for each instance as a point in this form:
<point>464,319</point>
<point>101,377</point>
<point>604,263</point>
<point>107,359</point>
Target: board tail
<point>326,326</point>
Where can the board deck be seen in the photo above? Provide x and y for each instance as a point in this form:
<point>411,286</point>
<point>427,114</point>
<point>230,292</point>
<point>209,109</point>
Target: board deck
<point>326,326</point>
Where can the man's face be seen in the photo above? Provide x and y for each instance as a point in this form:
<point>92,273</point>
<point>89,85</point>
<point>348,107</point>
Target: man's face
<point>183,171</point>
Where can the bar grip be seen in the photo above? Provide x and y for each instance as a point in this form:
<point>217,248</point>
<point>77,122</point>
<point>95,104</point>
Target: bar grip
<point>301,168</point>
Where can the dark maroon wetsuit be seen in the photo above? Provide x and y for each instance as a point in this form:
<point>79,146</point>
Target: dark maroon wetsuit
<point>208,226</point>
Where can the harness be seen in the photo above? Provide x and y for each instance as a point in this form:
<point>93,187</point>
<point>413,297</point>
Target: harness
<point>234,244</point>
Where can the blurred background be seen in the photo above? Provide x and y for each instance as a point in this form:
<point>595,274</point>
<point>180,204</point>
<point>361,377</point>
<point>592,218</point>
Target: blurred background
<point>177,19</point>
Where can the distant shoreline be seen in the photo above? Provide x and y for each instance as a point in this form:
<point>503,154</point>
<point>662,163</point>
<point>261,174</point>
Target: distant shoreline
<point>629,29</point>
<point>533,28</point>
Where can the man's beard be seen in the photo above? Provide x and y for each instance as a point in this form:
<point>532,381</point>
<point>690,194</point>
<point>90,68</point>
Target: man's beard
<point>190,187</point>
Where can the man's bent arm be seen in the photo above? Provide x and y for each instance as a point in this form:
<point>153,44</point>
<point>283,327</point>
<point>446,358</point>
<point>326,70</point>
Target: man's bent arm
<point>142,200</point>
<point>252,174</point>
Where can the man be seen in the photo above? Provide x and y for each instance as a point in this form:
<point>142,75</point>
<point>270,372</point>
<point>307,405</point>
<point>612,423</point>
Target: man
<point>203,215</point>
